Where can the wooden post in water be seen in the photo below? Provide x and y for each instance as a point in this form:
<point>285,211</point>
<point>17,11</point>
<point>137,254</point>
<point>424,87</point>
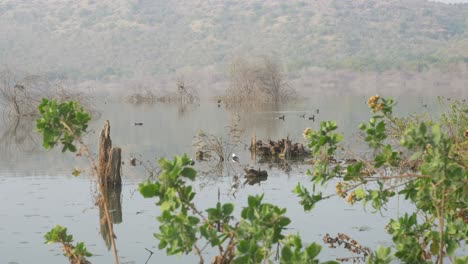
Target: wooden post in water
<point>109,159</point>
<point>253,148</point>
<point>287,148</point>
<point>105,145</point>
<point>115,162</point>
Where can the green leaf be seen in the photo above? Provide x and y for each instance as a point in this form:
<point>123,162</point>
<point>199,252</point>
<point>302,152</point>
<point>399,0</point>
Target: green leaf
<point>360,193</point>
<point>313,250</point>
<point>148,189</point>
<point>189,173</point>
<point>80,250</point>
<point>451,247</point>
<point>164,164</point>
<point>286,254</point>
<point>284,221</point>
<point>243,246</point>
<point>193,220</point>
<point>228,208</point>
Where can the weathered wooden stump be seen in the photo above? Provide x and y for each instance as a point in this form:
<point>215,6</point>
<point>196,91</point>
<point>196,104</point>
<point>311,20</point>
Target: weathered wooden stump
<point>253,148</point>
<point>109,159</point>
<point>115,162</point>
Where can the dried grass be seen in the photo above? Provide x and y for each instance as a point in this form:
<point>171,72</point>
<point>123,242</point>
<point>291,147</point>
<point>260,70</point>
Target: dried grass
<point>144,94</point>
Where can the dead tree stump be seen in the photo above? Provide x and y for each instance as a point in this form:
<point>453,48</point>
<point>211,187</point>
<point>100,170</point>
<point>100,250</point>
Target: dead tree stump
<point>105,145</point>
<point>114,178</point>
<point>253,148</point>
<point>109,159</point>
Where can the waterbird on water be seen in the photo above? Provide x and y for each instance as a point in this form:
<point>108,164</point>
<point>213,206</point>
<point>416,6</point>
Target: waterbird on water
<point>137,124</point>
<point>318,110</point>
<point>235,159</point>
<point>302,116</point>
<point>312,118</point>
<point>281,117</point>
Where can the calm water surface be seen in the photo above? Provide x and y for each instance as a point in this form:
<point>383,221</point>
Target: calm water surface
<point>37,190</point>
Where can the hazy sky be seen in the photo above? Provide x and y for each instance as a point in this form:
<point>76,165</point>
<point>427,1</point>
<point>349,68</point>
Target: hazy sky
<point>450,1</point>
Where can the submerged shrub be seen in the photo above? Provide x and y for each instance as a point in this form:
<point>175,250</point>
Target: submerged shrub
<point>257,81</point>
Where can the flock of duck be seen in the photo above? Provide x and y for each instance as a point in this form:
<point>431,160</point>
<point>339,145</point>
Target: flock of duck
<point>282,117</point>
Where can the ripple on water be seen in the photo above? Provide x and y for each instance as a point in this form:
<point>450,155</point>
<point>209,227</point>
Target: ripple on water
<point>30,215</point>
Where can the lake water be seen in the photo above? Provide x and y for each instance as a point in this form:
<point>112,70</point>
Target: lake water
<point>38,191</point>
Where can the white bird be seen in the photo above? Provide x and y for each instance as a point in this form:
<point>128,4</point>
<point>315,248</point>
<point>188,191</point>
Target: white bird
<point>235,159</point>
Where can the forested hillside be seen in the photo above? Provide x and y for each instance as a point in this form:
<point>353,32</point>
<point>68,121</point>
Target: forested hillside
<point>97,39</point>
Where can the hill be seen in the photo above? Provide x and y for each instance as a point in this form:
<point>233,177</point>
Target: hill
<point>101,39</point>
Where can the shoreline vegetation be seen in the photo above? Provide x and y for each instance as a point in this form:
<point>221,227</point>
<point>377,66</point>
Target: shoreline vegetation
<point>212,83</point>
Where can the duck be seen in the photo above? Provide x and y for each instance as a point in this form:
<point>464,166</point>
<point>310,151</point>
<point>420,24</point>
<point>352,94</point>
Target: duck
<point>312,118</point>
<point>302,116</point>
<point>137,124</point>
<point>281,117</point>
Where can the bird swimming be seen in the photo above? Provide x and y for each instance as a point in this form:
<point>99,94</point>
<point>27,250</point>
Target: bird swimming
<point>137,124</point>
<point>281,117</point>
<point>312,118</point>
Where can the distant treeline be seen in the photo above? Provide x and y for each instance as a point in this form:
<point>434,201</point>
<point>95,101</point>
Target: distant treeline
<point>113,39</point>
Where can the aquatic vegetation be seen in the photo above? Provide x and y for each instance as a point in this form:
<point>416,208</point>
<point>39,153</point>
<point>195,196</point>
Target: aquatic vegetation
<point>437,189</point>
<point>282,148</point>
<point>254,82</point>
<point>183,95</point>
<point>208,145</point>
<point>20,96</point>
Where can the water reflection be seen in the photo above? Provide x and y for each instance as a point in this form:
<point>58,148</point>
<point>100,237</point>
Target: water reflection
<point>111,197</point>
<point>18,135</point>
<point>253,176</point>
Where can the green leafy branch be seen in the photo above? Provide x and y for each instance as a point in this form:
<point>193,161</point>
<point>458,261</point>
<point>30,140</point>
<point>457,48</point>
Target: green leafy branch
<point>76,253</point>
<point>249,240</point>
<point>437,188</point>
<point>64,123</point>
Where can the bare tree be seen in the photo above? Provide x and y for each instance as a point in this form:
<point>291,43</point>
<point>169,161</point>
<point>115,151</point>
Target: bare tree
<point>258,81</point>
<point>20,96</point>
